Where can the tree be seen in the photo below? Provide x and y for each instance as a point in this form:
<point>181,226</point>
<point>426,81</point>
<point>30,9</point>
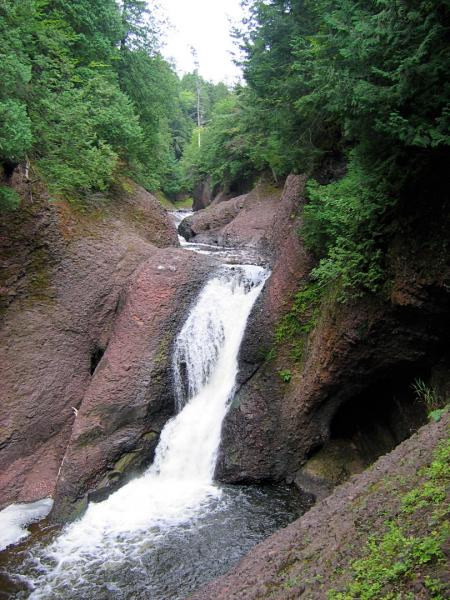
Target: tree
<point>15,124</point>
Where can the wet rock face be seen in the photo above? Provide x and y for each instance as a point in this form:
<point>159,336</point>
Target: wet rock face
<point>251,433</point>
<point>274,426</point>
<point>130,396</point>
<point>62,283</point>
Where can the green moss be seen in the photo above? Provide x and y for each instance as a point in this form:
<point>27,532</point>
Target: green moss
<point>150,436</point>
<point>185,204</point>
<point>334,463</point>
<point>164,200</point>
<point>40,276</point>
<point>293,329</point>
<point>162,356</point>
<point>265,189</point>
<point>127,185</point>
<point>125,461</point>
<point>9,198</point>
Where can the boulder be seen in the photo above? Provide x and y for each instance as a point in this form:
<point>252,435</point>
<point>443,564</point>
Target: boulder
<point>329,467</point>
<point>246,220</point>
<point>130,395</point>
<point>204,225</point>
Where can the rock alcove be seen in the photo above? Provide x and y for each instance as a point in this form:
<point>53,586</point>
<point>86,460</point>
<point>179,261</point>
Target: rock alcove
<point>365,427</point>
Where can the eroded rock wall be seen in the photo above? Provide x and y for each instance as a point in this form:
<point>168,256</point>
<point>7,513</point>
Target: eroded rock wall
<point>251,437</point>
<point>64,271</point>
<point>245,220</point>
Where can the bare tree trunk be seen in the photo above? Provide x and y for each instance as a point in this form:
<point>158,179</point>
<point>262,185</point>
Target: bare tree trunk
<point>199,108</point>
<point>28,180</point>
<point>274,175</point>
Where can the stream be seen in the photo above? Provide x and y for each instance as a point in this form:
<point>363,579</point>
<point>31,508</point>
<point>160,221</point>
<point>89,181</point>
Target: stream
<point>168,531</point>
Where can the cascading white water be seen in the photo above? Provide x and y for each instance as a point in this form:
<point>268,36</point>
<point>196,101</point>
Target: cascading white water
<point>180,480</point>
<point>206,356</point>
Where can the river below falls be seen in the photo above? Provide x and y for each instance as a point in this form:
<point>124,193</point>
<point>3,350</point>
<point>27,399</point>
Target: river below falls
<point>173,528</point>
<point>161,563</point>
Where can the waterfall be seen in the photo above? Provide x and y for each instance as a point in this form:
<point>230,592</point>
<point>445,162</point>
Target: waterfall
<point>180,481</point>
<point>205,368</point>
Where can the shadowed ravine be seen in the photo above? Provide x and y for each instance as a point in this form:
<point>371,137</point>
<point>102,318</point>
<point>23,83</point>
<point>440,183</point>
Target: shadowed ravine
<point>173,528</point>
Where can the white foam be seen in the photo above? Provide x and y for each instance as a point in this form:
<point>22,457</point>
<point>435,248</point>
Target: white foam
<point>15,518</point>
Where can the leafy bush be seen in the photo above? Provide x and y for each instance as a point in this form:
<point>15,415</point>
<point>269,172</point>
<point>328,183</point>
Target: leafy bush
<point>285,375</point>
<point>342,227</point>
<point>9,199</point>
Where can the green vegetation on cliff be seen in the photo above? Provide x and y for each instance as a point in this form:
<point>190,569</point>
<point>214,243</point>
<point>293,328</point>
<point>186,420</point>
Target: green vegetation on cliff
<point>354,93</point>
<point>412,548</point>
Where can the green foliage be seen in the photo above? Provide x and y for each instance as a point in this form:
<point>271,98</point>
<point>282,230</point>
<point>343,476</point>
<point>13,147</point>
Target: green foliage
<point>357,71</point>
<point>389,560</point>
<point>300,320</point>
<point>285,375</point>
<point>342,227</point>
<point>395,557</point>
<point>278,79</point>
<point>84,93</point>
<point>15,125</point>
<point>357,79</point>
<point>430,397</point>
<point>15,131</point>
<point>152,86</point>
<point>224,153</point>
<point>234,149</point>
<point>9,199</point>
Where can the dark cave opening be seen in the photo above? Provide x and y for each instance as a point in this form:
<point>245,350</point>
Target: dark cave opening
<point>8,169</point>
<point>96,357</point>
<point>383,415</point>
<point>364,427</point>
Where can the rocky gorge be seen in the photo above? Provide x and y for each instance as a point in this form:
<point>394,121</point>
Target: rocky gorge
<point>92,300</point>
<point>352,384</point>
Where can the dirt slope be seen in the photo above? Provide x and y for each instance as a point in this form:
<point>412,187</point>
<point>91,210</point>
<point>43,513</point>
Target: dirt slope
<point>313,555</point>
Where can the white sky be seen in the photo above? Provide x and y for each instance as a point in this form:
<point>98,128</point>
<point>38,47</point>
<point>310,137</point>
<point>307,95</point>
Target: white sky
<point>204,24</point>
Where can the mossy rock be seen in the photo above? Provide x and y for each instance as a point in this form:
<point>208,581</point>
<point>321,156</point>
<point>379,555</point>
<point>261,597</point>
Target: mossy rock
<point>329,467</point>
